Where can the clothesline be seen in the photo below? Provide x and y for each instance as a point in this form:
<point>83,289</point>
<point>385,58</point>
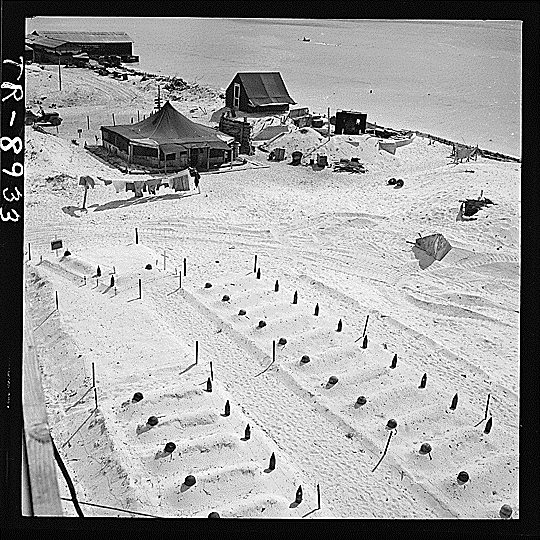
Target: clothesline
<point>178,182</point>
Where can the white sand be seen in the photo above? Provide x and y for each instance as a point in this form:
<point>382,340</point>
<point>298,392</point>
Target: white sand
<point>340,241</point>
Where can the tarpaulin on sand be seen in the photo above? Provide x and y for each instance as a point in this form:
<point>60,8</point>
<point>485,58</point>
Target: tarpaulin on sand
<point>435,245</point>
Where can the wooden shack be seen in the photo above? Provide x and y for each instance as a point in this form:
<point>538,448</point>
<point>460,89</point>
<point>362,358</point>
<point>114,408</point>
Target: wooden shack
<point>258,92</point>
<point>350,123</point>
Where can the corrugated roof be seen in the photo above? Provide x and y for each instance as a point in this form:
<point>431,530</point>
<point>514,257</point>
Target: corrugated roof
<point>50,43</point>
<point>87,37</point>
<point>265,88</point>
<point>168,126</point>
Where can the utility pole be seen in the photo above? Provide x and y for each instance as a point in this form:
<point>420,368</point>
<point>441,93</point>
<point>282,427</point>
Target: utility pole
<point>59,74</point>
<point>158,99</point>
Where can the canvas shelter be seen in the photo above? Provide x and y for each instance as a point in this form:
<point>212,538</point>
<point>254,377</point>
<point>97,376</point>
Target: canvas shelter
<point>435,245</point>
<point>258,92</point>
<point>169,141</point>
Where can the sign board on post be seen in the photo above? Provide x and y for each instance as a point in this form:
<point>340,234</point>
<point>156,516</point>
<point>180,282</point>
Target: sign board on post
<point>56,245</point>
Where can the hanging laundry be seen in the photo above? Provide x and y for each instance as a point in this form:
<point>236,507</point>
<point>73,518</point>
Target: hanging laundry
<point>86,181</point>
<point>152,185</point>
<point>139,185</point>
<point>119,185</point>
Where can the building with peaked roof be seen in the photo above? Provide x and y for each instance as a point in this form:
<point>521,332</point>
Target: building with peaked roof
<point>169,141</point>
<point>50,50</point>
<point>263,92</point>
<point>93,43</point>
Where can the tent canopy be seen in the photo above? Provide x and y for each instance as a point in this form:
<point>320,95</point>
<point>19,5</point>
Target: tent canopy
<point>435,245</point>
<point>168,126</point>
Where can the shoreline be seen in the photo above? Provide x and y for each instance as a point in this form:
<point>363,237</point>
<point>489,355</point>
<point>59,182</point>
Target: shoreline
<point>490,154</point>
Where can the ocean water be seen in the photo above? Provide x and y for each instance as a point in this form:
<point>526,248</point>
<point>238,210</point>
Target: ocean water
<point>456,79</point>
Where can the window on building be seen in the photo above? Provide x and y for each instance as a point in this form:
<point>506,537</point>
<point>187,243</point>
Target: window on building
<point>145,151</point>
<point>236,95</point>
<point>214,153</point>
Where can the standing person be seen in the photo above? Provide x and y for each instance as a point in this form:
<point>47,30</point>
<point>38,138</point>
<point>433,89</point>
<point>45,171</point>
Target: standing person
<point>195,173</point>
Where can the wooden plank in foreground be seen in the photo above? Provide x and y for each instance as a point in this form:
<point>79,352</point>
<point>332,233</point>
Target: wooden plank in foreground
<point>42,473</point>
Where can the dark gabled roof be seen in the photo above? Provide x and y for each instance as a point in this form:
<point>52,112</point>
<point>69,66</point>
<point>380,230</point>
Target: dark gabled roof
<point>49,43</point>
<point>265,88</point>
<point>87,37</point>
<point>168,126</point>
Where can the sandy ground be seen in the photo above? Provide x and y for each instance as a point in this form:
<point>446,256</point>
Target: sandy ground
<point>337,239</point>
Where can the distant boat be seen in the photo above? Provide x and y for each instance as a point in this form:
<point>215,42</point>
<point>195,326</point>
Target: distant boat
<point>306,39</point>
<point>390,145</point>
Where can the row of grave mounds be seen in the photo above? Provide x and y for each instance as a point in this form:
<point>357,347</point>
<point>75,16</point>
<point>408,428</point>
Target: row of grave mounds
<point>210,449</point>
<point>424,413</point>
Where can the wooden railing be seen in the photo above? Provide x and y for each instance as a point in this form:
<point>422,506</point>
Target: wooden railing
<point>41,496</point>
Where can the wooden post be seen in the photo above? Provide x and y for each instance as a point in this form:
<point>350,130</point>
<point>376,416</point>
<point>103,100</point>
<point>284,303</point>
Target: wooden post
<point>85,194</point>
<point>196,352</point>
<point>180,280</point>
<point>29,252</point>
<point>339,326</point>
<point>295,297</point>
<point>136,235</point>
<point>185,266</point>
<point>211,371</point>
<point>208,385</point>
<point>138,116</point>
<point>329,121</point>
<point>276,287</point>
<point>298,498</point>
<point>56,292</point>
<point>318,497</point>
<point>88,122</point>
<point>140,289</point>
<point>227,408</point>
<point>258,273</point>
<point>38,461</point>
<point>59,75</point>
<point>317,310</point>
<point>384,453</point>
<point>272,464</point>
<point>487,406</point>
<point>255,265</point>
<point>273,351</point>
<point>365,326</point>
<point>114,122</point>
<point>454,403</point>
<point>94,383</point>
<point>164,260</point>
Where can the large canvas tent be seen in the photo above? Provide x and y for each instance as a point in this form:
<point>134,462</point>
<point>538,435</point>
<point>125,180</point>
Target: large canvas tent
<point>168,140</point>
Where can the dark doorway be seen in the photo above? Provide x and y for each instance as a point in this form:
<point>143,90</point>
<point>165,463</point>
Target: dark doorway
<point>194,157</point>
